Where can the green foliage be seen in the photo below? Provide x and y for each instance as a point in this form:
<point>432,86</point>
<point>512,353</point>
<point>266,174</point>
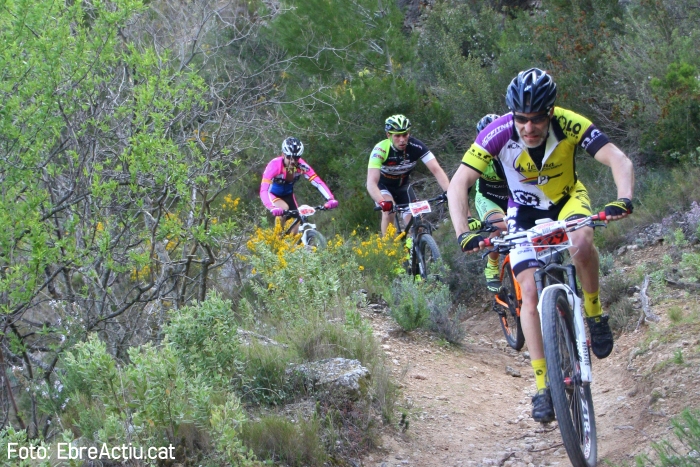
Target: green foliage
<point>263,380</point>
<point>691,263</point>
<point>675,314</point>
<point>294,444</point>
<point>685,452</point>
<point>420,303</point>
<point>153,401</point>
<point>204,338</point>
<point>444,319</point>
<point>614,294</point>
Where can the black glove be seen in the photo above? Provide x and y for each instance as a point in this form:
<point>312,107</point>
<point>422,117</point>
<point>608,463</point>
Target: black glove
<point>618,207</point>
<point>386,205</point>
<point>474,224</point>
<point>469,241</point>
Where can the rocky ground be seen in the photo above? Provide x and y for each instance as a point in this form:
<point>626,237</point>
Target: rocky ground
<point>470,405</point>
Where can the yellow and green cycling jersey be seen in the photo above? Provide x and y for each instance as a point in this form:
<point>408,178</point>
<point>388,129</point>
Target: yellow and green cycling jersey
<point>539,182</point>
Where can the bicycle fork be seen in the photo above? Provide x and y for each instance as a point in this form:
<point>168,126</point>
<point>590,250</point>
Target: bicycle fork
<point>576,305</point>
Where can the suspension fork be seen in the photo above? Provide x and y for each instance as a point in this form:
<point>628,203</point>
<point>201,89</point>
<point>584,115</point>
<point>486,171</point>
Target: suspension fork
<point>576,305</point>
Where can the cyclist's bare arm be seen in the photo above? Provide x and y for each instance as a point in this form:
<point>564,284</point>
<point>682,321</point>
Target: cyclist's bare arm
<point>434,166</point>
<point>458,197</point>
<point>622,171</point>
<point>373,185</point>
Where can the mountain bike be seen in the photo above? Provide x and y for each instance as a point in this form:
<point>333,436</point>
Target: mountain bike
<point>507,301</point>
<point>310,237</point>
<point>563,332</point>
<point>423,252</point>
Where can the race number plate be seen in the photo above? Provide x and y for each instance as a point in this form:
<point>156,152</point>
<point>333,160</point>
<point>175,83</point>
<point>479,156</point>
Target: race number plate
<point>550,235</point>
<point>419,207</point>
<point>306,210</point>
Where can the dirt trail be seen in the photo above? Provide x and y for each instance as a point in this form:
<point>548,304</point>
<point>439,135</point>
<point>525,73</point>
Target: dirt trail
<point>471,406</point>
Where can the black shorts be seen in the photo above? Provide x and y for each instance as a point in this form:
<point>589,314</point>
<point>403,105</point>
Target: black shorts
<point>402,195</point>
<point>289,199</point>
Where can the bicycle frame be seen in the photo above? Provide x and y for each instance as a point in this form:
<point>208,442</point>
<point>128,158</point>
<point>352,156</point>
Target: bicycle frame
<point>416,227</point>
<point>300,217</point>
<point>554,266</point>
<point>518,295</point>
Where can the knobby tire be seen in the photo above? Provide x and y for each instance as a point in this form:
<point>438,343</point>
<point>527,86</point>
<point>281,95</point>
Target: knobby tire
<point>573,404</point>
<point>428,257</point>
<point>510,321</point>
<point>315,238</point>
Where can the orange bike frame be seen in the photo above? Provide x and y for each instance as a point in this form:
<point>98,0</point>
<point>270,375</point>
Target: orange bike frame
<point>518,295</point>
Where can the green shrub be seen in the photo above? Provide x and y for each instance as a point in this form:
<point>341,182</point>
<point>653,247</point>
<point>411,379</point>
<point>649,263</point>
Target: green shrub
<point>204,338</point>
<point>293,444</point>
<point>444,319</point>
<point>685,452</point>
<point>410,308</point>
<point>675,314</point>
<point>263,379</point>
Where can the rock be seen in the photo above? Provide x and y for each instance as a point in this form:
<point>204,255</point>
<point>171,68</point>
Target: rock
<point>512,372</point>
<point>333,374</point>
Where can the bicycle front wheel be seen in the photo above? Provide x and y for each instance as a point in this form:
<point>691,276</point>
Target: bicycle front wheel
<point>510,318</point>
<point>572,400</point>
<point>315,239</point>
<point>428,258</point>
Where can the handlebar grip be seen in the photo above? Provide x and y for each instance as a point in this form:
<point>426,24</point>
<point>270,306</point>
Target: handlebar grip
<point>377,208</point>
<point>599,217</point>
<point>487,242</point>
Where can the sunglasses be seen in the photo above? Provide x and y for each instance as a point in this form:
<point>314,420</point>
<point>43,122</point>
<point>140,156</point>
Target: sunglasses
<point>522,119</point>
<point>296,158</point>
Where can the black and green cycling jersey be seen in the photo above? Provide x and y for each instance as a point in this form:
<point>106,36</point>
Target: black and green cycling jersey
<point>395,166</point>
<point>492,184</point>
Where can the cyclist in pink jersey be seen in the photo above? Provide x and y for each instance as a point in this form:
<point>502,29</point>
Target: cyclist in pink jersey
<point>280,175</point>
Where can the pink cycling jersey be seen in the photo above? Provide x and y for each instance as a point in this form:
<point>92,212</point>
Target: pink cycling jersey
<point>278,180</point>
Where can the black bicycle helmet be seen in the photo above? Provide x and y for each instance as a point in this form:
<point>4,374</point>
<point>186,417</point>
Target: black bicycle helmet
<point>531,91</point>
<point>485,121</point>
<point>397,124</point>
<point>292,147</point>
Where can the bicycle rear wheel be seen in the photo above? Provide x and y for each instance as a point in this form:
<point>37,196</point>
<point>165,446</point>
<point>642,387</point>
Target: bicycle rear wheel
<point>572,400</point>
<point>315,239</point>
<point>428,258</point>
<point>510,318</point>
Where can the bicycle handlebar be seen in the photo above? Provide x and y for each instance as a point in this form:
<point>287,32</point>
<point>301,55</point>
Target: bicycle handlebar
<point>405,207</point>
<point>295,212</point>
<point>506,241</point>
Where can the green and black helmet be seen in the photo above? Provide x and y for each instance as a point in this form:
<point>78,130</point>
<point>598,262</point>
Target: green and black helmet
<point>397,124</point>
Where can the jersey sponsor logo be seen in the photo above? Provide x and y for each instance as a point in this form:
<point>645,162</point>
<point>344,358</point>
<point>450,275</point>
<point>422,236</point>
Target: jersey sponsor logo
<point>539,180</point>
<point>513,145</point>
<point>569,126</point>
<point>493,133</point>
<point>589,139</point>
<point>411,143</point>
<point>526,198</point>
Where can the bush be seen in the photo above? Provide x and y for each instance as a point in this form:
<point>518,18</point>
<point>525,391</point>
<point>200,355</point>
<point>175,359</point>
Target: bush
<point>685,451</point>
<point>443,319</point>
<point>410,308</point>
<point>204,338</point>
<point>293,444</point>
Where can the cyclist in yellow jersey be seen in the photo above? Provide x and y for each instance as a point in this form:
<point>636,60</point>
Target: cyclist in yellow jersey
<point>535,144</point>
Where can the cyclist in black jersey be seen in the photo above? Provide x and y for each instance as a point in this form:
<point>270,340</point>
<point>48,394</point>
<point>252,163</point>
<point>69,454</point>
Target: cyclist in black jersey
<point>392,161</point>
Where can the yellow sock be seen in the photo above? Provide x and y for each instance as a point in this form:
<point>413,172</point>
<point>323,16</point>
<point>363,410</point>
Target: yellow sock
<point>591,304</point>
<point>540,367</point>
<point>493,261</point>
